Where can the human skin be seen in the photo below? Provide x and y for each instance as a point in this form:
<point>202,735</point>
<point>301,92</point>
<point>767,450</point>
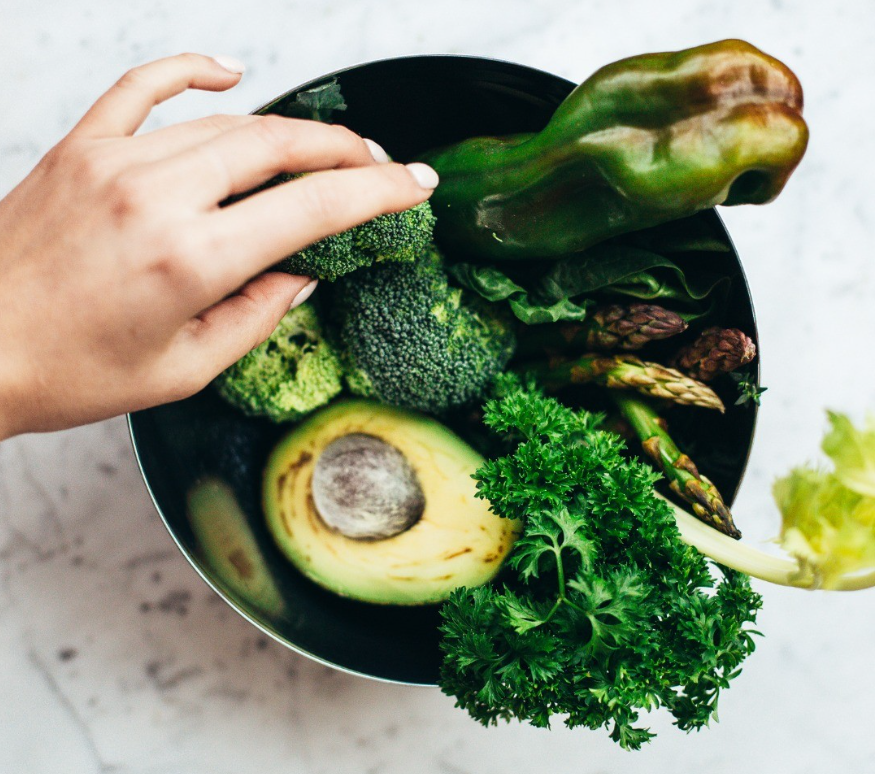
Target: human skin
<point>124,285</point>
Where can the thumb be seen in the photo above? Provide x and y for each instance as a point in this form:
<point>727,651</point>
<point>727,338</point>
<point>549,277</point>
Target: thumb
<point>220,336</point>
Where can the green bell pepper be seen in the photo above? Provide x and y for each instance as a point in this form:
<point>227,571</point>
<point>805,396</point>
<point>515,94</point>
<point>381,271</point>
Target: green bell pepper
<point>643,141</point>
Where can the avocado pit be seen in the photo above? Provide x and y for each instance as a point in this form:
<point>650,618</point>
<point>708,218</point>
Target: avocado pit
<point>365,488</point>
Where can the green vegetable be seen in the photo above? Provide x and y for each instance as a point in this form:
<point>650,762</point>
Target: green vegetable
<point>564,290</point>
<point>227,544</point>
<point>625,372</point>
<point>681,472</point>
<point>397,237</point>
<point>495,286</point>
<point>643,141</point>
<point>609,327</point>
<point>716,351</point>
<point>828,520</point>
<point>295,371</point>
<point>748,389</point>
<point>604,611</point>
<point>829,517</point>
<point>377,503</point>
<point>626,270</point>
<point>410,339</point>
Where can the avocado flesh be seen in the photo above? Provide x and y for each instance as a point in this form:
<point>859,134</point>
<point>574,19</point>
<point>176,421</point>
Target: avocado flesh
<point>456,541</point>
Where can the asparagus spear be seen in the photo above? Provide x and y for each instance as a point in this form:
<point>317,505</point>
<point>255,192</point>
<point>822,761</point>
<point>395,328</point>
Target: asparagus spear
<point>627,372</point>
<point>680,471</point>
<point>716,351</point>
<point>609,327</point>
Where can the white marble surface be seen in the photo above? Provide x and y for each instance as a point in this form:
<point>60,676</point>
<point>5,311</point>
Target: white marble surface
<point>115,657</point>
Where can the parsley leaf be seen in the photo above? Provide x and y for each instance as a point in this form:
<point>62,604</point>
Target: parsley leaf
<point>604,612</point>
<point>748,390</point>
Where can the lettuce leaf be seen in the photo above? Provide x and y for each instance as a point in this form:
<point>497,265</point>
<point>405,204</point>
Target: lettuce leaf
<point>853,453</point>
<point>828,517</point>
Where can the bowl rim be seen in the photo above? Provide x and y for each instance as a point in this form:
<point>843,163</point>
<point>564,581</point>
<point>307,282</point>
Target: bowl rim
<point>201,569</point>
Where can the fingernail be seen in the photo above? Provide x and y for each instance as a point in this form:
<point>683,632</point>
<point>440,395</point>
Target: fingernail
<point>231,64</point>
<point>380,156</point>
<point>424,175</point>
<point>303,294</point>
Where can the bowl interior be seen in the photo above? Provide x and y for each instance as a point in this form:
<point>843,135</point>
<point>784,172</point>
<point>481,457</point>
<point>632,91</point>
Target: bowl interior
<point>408,105</point>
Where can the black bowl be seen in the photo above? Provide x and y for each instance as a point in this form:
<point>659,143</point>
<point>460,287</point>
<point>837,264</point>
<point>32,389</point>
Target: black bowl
<point>408,105</point>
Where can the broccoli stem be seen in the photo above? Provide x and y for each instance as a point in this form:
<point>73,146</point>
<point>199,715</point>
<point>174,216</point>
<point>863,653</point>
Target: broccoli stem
<point>751,561</point>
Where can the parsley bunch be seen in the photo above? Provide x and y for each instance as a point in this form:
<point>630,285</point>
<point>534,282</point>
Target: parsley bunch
<point>603,611</point>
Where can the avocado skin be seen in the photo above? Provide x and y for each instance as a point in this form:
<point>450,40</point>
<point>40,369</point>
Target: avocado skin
<point>457,542</point>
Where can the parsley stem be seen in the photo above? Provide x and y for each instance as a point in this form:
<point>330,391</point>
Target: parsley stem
<point>560,574</point>
<point>560,568</point>
<point>559,600</point>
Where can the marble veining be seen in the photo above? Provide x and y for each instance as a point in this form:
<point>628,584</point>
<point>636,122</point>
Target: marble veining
<point>116,657</point>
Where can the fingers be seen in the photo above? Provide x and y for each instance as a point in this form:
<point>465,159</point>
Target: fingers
<point>254,234</point>
<point>224,333</point>
<point>171,140</point>
<point>242,158</point>
<point>124,107</point>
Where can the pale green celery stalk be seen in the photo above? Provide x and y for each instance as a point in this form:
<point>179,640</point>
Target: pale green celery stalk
<point>758,564</point>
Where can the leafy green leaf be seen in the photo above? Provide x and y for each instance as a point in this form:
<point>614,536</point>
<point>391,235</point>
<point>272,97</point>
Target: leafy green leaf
<point>625,270</point>
<point>611,607</point>
<point>487,281</point>
<point>748,390</point>
<point>318,103</point>
<point>567,289</point>
<point>532,313</point>
<point>532,551</point>
<point>523,614</point>
<point>495,286</point>
<point>853,453</point>
<point>828,517</point>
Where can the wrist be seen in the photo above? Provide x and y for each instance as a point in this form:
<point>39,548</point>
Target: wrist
<point>10,406</point>
<point>6,430</point>
<point>5,419</point>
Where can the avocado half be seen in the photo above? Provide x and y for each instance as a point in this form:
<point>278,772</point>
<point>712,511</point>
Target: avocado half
<point>227,545</point>
<point>378,504</point>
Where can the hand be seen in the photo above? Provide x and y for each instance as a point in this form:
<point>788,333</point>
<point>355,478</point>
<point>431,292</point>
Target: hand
<point>124,285</point>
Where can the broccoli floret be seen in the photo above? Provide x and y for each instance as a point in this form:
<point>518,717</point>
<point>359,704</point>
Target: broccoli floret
<point>397,237</point>
<point>295,371</point>
<point>410,339</point>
